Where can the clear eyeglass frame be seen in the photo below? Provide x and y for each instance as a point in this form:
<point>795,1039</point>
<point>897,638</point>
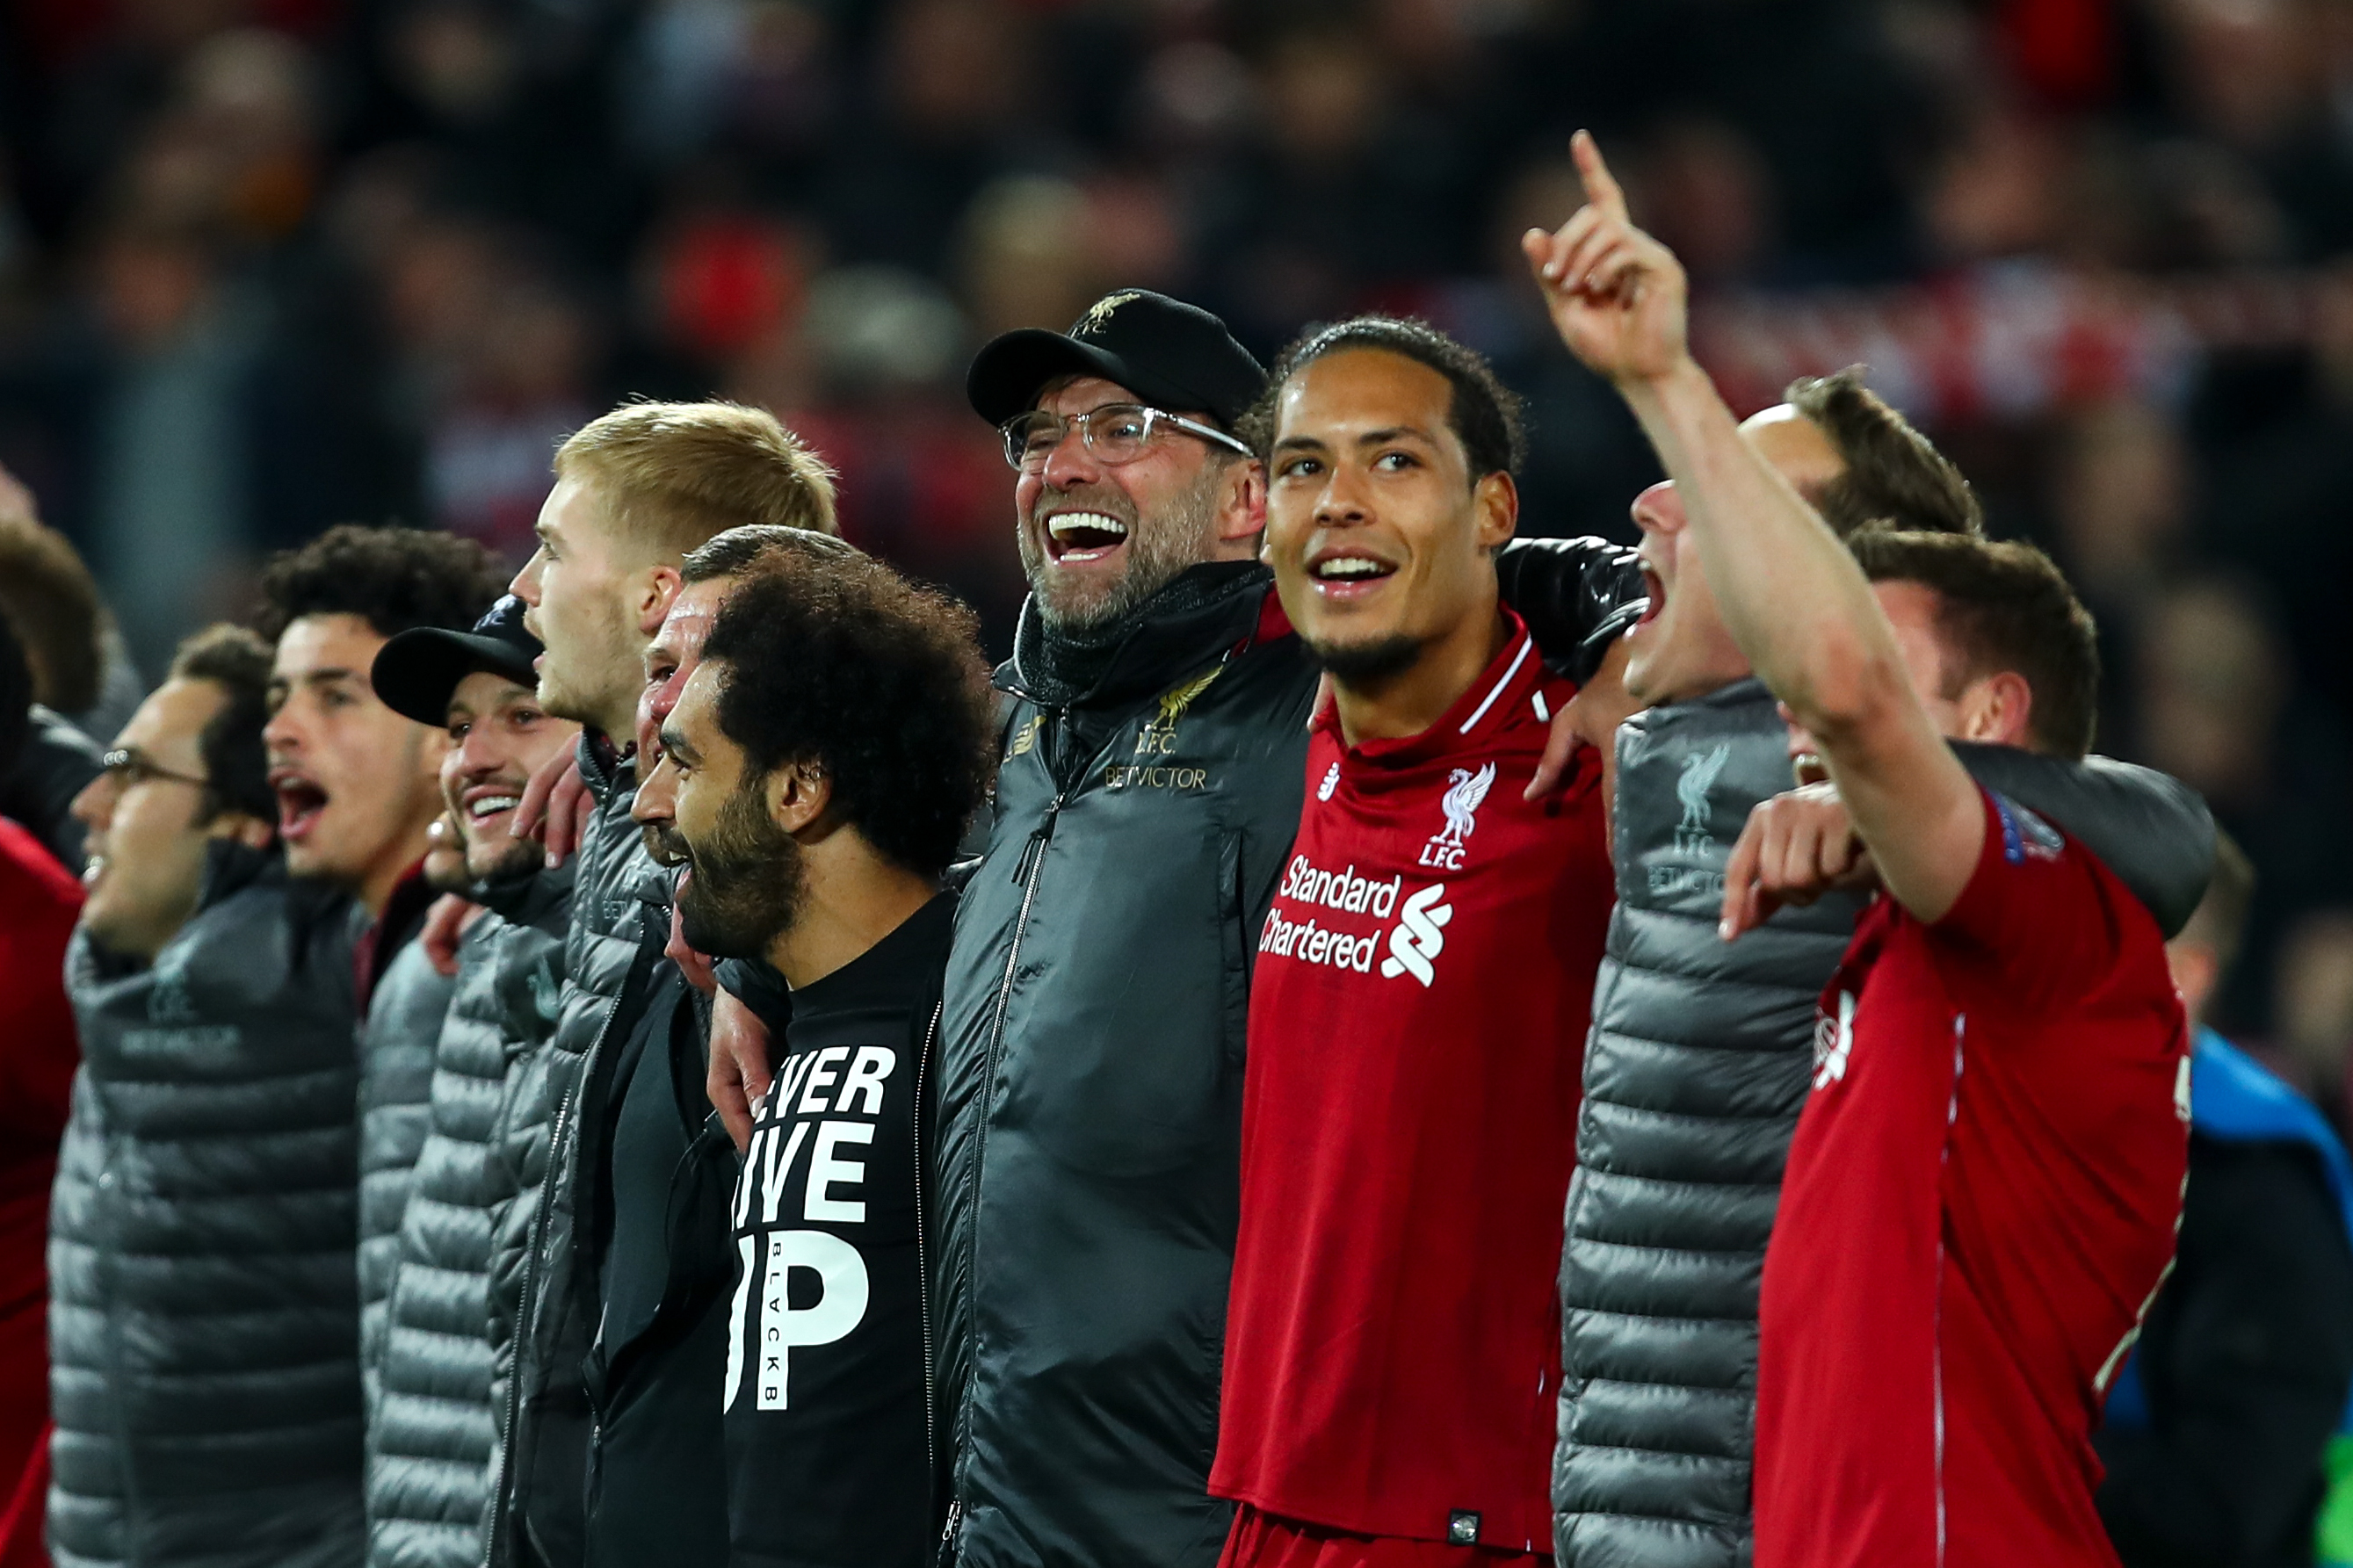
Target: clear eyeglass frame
<point>1114,434</point>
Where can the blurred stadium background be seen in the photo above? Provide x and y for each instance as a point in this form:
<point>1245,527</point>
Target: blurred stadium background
<point>266,265</point>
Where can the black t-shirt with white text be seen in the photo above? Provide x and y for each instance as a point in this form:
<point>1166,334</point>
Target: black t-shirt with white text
<point>827,1453</point>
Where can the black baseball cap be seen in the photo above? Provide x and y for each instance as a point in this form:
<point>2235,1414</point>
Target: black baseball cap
<point>1173,355</point>
<point>416,672</point>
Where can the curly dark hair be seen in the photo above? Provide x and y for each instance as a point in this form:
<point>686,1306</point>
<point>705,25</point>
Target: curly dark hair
<point>1484,412</point>
<point>393,578</point>
<point>236,765</point>
<point>842,662</point>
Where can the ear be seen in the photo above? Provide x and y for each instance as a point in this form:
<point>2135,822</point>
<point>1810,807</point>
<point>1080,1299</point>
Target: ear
<point>798,795</point>
<point>655,588</point>
<point>1997,708</point>
<point>1497,501</point>
<point>1242,501</point>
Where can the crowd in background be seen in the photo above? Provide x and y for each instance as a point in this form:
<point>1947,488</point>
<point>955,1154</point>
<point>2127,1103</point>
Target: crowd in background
<point>269,264</point>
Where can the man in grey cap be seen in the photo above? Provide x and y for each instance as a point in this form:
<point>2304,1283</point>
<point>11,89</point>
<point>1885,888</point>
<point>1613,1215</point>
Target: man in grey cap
<point>1085,1118</point>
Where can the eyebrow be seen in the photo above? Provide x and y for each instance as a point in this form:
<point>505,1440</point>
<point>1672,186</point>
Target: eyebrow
<point>675,742</point>
<point>1369,438</point>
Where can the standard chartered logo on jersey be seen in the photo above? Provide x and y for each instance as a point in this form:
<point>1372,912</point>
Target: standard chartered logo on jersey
<point>1417,938</point>
<point>1414,942</point>
<point>833,1083</point>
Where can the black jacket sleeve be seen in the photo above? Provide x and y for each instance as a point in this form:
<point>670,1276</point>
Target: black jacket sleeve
<point>2154,832</point>
<point>2247,1355</point>
<point>758,986</point>
<point>1576,595</point>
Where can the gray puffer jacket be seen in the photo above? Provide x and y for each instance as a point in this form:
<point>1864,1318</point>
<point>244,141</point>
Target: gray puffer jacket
<point>203,1314</point>
<point>396,1045</point>
<point>619,922</point>
<point>431,1443</point>
<point>1694,1074</point>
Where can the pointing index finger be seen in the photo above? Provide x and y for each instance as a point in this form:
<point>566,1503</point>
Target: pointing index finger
<point>1600,187</point>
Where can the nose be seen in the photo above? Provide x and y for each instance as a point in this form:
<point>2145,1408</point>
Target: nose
<point>1658,509</point>
<point>525,585</point>
<point>657,800</point>
<point>282,734</point>
<point>1069,464</point>
<point>474,753</point>
<point>94,806</point>
<point>1340,503</point>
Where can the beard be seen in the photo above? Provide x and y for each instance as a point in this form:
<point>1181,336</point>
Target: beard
<point>495,857</point>
<point>746,881</point>
<point>1370,662</point>
<point>1159,549</point>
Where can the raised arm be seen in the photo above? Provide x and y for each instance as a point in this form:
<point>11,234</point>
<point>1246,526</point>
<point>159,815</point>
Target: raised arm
<point>1792,597</point>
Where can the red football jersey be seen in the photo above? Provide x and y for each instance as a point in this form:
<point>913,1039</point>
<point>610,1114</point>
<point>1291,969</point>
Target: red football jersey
<point>1417,1028</point>
<point>1981,1200</point>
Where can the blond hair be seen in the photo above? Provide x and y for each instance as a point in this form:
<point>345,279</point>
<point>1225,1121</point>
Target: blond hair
<point>672,475</point>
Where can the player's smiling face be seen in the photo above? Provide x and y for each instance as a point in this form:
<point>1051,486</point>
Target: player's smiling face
<point>1380,541</point>
<point>499,736</point>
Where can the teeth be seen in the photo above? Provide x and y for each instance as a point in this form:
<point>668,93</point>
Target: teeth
<point>1069,523</point>
<point>1349,566</point>
<point>491,805</point>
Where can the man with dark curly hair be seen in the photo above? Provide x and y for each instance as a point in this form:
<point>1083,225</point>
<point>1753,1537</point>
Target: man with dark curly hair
<point>357,783</point>
<point>817,774</point>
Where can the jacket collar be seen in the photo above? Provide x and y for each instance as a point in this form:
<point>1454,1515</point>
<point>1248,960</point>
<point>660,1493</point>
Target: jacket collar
<point>1156,649</point>
<point>522,898</point>
<point>605,768</point>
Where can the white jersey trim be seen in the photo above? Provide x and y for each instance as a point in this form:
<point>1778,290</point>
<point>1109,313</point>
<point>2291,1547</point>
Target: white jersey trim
<point>1518,659</point>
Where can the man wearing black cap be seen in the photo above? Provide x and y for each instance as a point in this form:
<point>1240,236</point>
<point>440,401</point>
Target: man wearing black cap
<point>1089,1086</point>
<point>430,1427</point>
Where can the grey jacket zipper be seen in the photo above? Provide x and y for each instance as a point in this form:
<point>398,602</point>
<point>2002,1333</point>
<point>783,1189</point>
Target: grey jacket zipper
<point>527,1306</point>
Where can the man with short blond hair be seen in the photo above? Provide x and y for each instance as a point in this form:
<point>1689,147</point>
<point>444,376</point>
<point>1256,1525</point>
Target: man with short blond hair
<point>677,473</point>
<point>636,490</point>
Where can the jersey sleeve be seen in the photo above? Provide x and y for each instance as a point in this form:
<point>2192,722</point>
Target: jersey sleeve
<point>2040,918</point>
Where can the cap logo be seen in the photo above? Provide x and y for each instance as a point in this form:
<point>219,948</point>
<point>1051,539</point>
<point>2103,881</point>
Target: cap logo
<point>1098,314</point>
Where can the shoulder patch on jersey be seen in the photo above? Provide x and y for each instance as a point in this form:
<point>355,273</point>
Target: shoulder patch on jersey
<point>2024,833</point>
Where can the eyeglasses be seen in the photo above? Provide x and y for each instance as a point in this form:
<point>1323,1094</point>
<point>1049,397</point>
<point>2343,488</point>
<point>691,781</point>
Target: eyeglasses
<point>127,767</point>
<point>1114,434</point>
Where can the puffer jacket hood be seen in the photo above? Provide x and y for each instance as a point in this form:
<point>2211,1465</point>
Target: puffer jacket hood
<point>1695,1070</point>
<point>204,1314</point>
<point>433,1436</point>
